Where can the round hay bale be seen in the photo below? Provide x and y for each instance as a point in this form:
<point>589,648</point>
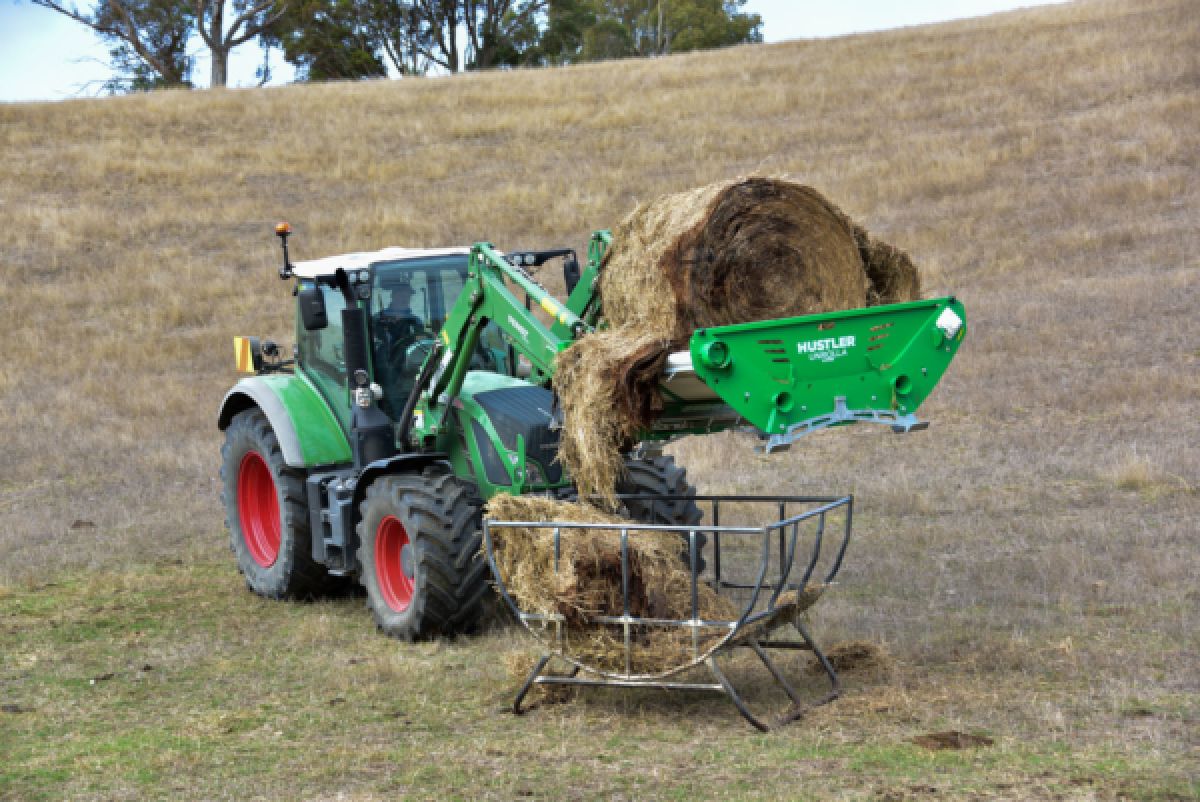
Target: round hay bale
<point>752,249</point>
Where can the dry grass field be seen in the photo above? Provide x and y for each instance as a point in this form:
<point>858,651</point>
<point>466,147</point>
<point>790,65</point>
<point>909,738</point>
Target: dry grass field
<point>1030,563</point>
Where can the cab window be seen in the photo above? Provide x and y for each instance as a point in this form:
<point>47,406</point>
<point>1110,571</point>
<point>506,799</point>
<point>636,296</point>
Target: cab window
<point>410,301</point>
<point>322,354</point>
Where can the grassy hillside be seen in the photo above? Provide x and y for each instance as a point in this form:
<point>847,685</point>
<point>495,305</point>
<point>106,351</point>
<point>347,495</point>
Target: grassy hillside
<point>1029,562</point>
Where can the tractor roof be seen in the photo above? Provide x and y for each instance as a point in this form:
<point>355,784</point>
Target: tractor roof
<point>354,261</point>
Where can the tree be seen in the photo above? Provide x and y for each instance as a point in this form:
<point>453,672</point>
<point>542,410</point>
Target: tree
<point>686,25</point>
<point>251,18</point>
<point>150,36</point>
<point>500,32</point>
<point>399,29</point>
<point>327,40</point>
<point>658,27</point>
<point>560,37</point>
<point>147,38</point>
<point>353,38</point>
<point>453,35</point>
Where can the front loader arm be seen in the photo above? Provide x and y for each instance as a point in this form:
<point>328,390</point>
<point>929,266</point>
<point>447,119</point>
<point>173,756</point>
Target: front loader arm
<point>485,297</point>
<point>584,300</point>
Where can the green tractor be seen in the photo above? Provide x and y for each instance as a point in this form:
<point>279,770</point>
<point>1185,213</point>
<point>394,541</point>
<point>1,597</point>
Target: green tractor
<point>420,387</point>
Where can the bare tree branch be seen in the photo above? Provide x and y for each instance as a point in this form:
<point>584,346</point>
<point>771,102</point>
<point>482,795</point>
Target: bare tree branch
<point>117,19</point>
<point>253,29</point>
<point>210,21</point>
<point>130,35</point>
<point>201,7</point>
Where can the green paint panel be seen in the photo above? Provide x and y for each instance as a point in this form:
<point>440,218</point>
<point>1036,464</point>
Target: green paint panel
<point>782,372</point>
<point>322,441</point>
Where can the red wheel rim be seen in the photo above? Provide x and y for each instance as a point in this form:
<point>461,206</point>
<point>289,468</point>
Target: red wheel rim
<point>393,550</point>
<point>258,509</point>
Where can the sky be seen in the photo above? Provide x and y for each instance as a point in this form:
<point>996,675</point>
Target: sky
<point>45,56</point>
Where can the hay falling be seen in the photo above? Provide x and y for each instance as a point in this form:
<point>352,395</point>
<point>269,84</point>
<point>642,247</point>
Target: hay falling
<point>588,583</point>
<point>734,252</point>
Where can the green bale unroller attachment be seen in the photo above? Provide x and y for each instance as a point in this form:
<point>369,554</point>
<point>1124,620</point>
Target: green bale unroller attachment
<point>796,375</point>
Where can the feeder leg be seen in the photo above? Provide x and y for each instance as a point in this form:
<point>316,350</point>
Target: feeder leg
<point>533,675</point>
<point>775,672</point>
<point>835,684</point>
<point>734,697</point>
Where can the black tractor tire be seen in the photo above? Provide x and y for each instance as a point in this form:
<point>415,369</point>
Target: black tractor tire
<point>662,477</point>
<point>419,554</point>
<point>266,512</point>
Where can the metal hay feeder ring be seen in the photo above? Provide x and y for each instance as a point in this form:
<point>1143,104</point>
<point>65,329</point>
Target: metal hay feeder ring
<point>754,566</point>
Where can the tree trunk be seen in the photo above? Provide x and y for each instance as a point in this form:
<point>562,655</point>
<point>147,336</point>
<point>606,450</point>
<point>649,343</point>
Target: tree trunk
<point>220,68</point>
<point>452,52</point>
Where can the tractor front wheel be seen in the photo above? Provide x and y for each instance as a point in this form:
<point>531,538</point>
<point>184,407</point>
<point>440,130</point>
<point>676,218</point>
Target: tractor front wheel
<point>265,511</point>
<point>419,554</point>
<point>660,476</point>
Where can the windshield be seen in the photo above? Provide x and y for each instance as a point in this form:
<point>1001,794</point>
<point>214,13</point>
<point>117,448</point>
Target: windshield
<point>410,300</point>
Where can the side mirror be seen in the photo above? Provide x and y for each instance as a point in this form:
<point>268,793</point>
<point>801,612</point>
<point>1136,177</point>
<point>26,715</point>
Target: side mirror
<point>312,307</point>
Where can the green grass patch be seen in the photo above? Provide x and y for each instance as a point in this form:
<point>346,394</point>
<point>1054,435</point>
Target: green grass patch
<point>175,683</point>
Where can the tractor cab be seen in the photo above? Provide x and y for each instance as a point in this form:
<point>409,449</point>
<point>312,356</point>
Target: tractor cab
<point>406,295</point>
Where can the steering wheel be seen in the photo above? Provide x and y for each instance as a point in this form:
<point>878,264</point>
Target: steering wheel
<point>393,330</point>
<point>405,354</point>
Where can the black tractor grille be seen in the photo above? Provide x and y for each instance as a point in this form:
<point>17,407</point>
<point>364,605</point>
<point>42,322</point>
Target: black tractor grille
<point>526,411</point>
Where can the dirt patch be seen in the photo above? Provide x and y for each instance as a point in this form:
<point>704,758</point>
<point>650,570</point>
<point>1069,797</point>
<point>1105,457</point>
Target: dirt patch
<point>733,252</point>
<point>952,739</point>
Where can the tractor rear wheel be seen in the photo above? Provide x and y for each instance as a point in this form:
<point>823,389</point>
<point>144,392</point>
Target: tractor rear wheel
<point>419,554</point>
<point>660,476</point>
<point>266,511</point>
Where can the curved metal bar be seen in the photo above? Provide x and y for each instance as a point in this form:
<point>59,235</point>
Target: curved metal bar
<point>735,697</point>
<point>785,568</point>
<point>816,552</point>
<point>837,562</point>
<point>775,672</point>
<point>834,682</point>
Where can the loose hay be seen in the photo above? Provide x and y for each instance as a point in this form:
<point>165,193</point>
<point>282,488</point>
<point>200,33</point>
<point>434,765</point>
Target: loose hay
<point>892,276</point>
<point>856,656</point>
<point>733,252</point>
<point>588,583</point>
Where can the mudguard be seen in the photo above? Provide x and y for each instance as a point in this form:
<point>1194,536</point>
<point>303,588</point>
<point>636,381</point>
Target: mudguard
<point>308,432</point>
